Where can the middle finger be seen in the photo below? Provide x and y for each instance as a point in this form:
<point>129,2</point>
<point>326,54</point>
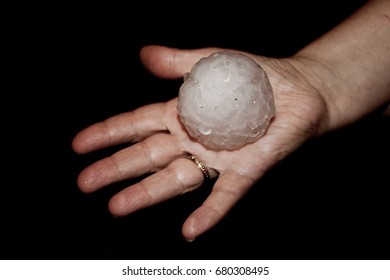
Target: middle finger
<point>149,155</point>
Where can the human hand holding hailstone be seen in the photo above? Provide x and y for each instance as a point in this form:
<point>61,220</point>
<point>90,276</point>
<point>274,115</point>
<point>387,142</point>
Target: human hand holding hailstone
<point>312,95</point>
<point>162,146</point>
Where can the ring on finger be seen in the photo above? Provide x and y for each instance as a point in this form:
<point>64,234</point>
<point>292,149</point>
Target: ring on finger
<point>201,165</point>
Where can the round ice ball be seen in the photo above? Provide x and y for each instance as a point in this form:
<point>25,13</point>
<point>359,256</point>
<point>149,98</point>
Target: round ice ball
<point>226,101</point>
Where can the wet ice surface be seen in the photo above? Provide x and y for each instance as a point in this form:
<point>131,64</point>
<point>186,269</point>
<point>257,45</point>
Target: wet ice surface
<point>226,101</point>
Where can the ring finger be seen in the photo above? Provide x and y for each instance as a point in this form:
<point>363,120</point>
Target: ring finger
<point>179,177</point>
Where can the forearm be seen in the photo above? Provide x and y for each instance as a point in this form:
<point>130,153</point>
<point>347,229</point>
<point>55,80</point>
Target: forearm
<point>355,57</point>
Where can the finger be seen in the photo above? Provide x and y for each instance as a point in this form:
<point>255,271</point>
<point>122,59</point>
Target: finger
<point>227,191</point>
<point>171,63</point>
<point>129,126</point>
<point>177,178</point>
<point>149,155</point>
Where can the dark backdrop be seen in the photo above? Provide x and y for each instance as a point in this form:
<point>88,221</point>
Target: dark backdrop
<point>328,200</point>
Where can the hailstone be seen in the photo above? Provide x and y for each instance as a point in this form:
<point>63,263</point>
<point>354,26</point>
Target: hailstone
<point>226,101</point>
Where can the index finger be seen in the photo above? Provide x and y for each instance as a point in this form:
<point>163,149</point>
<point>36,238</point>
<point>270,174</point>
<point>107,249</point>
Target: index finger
<point>131,126</point>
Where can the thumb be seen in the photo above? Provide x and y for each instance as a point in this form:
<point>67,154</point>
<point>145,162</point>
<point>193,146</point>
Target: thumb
<point>171,63</point>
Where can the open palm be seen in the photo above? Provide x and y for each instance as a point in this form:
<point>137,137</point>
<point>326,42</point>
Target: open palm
<point>161,144</point>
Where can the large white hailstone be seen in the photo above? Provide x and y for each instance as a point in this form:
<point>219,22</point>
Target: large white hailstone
<point>226,101</point>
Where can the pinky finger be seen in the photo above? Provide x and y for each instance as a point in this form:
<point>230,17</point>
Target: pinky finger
<point>227,191</point>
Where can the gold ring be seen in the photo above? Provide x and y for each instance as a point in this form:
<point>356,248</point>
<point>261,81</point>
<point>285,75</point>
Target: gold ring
<point>200,165</point>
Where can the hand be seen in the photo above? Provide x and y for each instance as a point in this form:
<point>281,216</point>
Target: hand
<point>161,144</point>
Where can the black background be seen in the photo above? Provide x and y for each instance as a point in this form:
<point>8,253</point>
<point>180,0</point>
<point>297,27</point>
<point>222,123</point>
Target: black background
<point>79,65</point>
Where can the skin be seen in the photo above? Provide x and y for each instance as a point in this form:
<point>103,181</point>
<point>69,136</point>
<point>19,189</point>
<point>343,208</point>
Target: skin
<point>331,83</point>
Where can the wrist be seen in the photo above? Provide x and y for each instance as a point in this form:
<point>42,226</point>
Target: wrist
<point>323,79</point>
